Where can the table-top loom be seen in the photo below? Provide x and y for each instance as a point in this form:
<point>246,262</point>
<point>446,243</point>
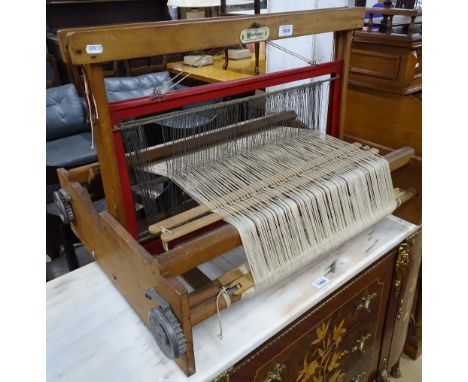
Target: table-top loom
<point>153,266</point>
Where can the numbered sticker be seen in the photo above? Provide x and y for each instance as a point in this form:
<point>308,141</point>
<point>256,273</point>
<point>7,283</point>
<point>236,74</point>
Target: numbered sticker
<point>94,49</point>
<point>285,30</point>
<point>320,282</point>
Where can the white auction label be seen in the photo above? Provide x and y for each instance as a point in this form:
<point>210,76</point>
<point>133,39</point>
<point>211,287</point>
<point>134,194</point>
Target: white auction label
<point>285,30</point>
<point>94,49</point>
<point>320,282</point>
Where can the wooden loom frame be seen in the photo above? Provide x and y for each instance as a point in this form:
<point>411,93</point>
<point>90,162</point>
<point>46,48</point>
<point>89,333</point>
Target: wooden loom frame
<point>131,265</point>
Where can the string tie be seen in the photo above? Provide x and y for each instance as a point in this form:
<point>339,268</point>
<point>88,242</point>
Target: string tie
<point>222,292</point>
<point>165,230</point>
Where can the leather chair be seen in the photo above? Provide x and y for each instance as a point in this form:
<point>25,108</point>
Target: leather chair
<point>68,135</point>
<point>68,144</point>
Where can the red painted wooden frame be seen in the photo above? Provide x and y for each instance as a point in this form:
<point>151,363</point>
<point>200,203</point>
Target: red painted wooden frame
<point>138,107</point>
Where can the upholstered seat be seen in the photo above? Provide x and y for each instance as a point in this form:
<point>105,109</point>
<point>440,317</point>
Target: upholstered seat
<point>122,88</point>
<point>71,151</point>
<point>68,134</point>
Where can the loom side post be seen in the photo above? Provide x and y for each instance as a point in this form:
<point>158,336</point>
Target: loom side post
<point>125,185</point>
<point>105,146</point>
<point>343,52</point>
<point>334,104</point>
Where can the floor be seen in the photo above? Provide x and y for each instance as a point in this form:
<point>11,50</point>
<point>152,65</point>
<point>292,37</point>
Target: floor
<point>411,371</point>
<point>58,266</point>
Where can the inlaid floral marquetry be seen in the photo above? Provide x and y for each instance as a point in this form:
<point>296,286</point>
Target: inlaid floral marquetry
<point>322,363</point>
<point>361,344</point>
<point>366,302</point>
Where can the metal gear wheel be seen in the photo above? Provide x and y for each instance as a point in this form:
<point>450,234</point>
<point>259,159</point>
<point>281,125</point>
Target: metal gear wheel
<point>63,201</point>
<point>167,332</point>
<point>165,327</point>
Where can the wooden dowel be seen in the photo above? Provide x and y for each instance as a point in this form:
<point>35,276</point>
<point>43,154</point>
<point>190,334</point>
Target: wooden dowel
<point>212,244</point>
<point>194,225</point>
<point>399,158</point>
<point>297,123</point>
<point>178,219</point>
<point>406,195</point>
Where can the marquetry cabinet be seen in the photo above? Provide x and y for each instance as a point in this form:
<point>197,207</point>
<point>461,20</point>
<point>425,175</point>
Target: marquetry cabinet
<point>349,336</point>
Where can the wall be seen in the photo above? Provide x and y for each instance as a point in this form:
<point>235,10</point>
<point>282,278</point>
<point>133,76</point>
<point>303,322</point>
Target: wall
<point>317,47</point>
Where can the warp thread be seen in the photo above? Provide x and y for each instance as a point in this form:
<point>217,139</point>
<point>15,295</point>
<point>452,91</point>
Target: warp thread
<point>292,200</point>
<point>292,193</point>
<point>307,101</point>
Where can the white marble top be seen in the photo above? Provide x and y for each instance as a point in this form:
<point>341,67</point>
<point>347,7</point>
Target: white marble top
<point>94,335</point>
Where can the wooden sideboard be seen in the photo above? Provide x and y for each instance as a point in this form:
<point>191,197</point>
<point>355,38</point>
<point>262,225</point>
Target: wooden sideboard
<point>388,62</point>
<point>384,103</point>
<point>389,119</point>
<point>356,334</point>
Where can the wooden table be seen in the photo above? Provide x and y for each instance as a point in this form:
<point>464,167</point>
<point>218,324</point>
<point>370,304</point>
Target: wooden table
<point>236,70</point>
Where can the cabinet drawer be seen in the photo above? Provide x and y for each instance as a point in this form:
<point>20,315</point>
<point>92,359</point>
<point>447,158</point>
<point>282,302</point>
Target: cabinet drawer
<point>335,341</point>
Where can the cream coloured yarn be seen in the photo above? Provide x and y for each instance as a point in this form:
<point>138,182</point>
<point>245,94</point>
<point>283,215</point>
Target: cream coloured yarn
<point>293,199</point>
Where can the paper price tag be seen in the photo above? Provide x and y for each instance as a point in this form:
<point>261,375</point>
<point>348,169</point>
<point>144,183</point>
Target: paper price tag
<point>94,49</point>
<point>320,282</point>
<point>285,30</point>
